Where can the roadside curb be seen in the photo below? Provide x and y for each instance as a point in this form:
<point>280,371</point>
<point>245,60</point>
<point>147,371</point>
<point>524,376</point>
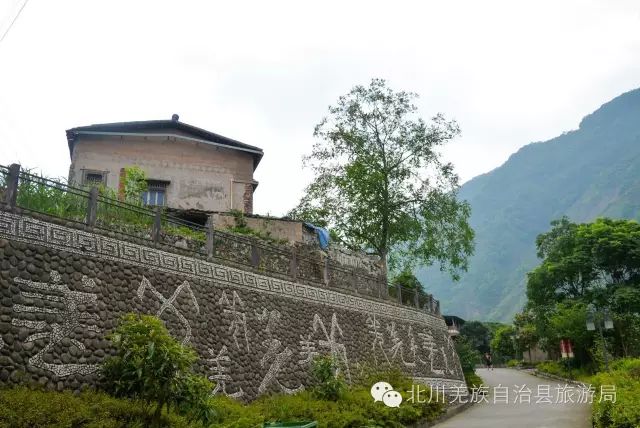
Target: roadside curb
<point>545,375</point>
<point>449,413</point>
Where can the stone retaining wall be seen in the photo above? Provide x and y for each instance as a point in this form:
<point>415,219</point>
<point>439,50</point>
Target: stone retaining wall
<point>62,289</point>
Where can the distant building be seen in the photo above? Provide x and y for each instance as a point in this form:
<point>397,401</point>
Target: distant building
<point>188,168</point>
<point>453,324</point>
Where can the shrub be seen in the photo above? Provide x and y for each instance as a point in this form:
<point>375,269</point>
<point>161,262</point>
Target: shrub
<point>328,383</point>
<point>564,369</point>
<point>22,407</point>
<point>135,183</point>
<point>625,412</point>
<point>469,356</point>
<point>152,366</point>
<point>514,363</point>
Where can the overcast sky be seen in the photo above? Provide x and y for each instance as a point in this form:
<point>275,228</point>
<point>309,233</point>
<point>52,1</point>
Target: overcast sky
<point>264,72</point>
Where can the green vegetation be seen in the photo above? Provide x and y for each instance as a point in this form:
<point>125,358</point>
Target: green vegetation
<point>135,183</point>
<point>152,366</point>
<point>408,280</point>
<point>478,335</point>
<point>590,274</point>
<point>52,197</point>
<point>502,345</point>
<point>469,358</point>
<point>381,184</point>
<point>625,412</point>
<point>23,407</point>
<point>328,382</point>
<point>151,383</point>
<point>242,228</point>
<point>39,195</point>
<point>587,173</point>
<point>565,369</point>
<point>587,264</point>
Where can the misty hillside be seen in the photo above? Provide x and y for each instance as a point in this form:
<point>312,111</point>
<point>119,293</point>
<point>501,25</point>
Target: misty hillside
<point>590,172</point>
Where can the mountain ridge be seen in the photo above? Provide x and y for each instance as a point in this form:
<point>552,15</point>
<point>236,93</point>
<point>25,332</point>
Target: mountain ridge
<point>584,173</point>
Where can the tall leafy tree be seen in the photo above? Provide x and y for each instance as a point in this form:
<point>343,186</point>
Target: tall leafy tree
<point>477,334</point>
<point>585,261</point>
<point>381,183</point>
<point>597,263</point>
<point>527,335</point>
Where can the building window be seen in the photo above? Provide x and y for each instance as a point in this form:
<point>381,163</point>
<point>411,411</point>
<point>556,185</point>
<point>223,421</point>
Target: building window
<point>94,178</point>
<point>156,193</point>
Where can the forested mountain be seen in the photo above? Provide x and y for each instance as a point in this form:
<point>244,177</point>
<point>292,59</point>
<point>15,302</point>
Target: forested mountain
<point>587,173</point>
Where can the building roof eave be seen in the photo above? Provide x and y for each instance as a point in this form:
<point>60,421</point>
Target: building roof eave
<point>139,128</point>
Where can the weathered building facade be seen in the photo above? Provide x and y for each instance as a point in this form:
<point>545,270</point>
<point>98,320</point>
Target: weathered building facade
<point>187,167</point>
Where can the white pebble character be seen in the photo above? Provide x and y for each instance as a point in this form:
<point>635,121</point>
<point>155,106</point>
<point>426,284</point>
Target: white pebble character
<point>378,390</point>
<point>392,398</point>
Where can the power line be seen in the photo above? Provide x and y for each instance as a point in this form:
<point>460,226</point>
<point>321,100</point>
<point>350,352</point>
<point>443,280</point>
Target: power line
<point>14,20</point>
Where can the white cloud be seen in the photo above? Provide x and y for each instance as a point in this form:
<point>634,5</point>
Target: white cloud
<point>265,72</point>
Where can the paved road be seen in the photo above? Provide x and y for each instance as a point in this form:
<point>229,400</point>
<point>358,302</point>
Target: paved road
<point>520,414</point>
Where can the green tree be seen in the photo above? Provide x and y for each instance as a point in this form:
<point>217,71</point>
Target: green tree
<point>152,366</point>
<point>381,184</point>
<point>567,320</point>
<point>626,317</point>
<point>502,344</point>
<point>597,263</point>
<point>407,279</point>
<point>477,334</point>
<point>526,332</point>
<point>469,356</point>
<point>587,261</point>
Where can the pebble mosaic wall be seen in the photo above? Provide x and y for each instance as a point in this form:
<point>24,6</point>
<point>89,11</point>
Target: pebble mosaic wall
<point>63,289</point>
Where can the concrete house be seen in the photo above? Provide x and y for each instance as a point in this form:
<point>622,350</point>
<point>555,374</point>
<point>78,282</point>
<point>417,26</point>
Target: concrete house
<point>187,167</point>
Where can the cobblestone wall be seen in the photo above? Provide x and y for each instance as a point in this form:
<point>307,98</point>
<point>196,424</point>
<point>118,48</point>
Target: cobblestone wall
<point>62,289</point>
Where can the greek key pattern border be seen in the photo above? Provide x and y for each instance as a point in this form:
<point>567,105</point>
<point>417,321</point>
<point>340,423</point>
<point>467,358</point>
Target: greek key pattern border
<point>29,230</point>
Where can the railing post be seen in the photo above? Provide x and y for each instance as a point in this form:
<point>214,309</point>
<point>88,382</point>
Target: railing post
<point>325,271</point>
<point>210,237</point>
<point>416,299</point>
<point>399,293</point>
<point>293,264</point>
<point>11,194</point>
<point>437,307</point>
<point>157,225</point>
<point>92,207</point>
<point>255,255</point>
<point>383,290</point>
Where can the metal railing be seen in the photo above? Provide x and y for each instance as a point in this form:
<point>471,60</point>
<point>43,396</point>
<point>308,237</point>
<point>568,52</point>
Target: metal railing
<point>92,208</point>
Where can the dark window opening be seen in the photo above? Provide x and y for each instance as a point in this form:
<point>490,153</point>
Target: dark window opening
<point>94,178</point>
<point>156,193</point>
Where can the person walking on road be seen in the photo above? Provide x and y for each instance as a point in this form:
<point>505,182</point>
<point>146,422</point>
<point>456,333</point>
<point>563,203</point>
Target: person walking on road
<point>488,361</point>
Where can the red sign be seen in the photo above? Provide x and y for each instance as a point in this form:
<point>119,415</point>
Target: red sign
<point>566,350</point>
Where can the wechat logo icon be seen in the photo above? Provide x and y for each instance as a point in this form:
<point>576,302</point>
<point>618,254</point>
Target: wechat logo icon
<point>383,391</point>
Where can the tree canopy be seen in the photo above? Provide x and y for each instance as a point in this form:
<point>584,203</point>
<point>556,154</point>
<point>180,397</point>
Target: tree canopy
<point>586,261</point>
<point>594,263</point>
<point>381,184</point>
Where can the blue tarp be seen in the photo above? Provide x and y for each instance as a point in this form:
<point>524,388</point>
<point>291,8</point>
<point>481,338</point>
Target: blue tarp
<point>321,233</point>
